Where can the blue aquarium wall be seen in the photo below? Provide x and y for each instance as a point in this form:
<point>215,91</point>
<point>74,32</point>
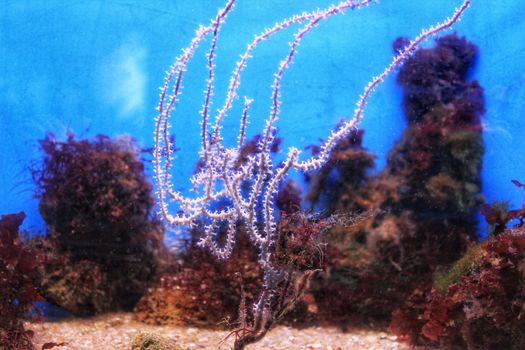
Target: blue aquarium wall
<point>95,67</point>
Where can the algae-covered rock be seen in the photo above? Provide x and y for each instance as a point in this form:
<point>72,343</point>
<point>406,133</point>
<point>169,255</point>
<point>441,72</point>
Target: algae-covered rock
<point>103,246</point>
<point>465,265</point>
<point>419,212</point>
<point>151,341</point>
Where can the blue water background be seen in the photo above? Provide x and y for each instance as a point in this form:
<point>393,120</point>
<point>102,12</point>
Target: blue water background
<point>95,66</point>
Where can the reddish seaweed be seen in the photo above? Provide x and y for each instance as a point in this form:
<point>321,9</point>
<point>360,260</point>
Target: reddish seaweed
<point>421,207</point>
<point>103,245</point>
<point>18,263</point>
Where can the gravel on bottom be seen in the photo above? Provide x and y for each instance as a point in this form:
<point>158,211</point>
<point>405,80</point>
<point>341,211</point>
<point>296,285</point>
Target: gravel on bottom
<point>116,331</point>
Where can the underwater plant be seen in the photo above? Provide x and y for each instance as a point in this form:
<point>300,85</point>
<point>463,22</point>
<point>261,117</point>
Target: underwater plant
<point>422,205</point>
<point>483,309</point>
<point>103,245</point>
<point>231,193</point>
<point>198,290</point>
<point>18,273</point>
<point>478,302</point>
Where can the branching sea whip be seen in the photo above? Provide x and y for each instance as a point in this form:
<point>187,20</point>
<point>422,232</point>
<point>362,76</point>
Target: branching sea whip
<point>221,176</point>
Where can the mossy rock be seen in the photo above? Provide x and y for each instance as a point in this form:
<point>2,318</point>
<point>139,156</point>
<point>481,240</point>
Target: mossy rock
<point>151,341</point>
<point>470,261</point>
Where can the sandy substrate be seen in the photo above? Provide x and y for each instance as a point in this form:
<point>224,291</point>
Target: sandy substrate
<point>116,331</point>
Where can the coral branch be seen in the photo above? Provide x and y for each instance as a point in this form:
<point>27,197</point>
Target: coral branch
<point>249,184</point>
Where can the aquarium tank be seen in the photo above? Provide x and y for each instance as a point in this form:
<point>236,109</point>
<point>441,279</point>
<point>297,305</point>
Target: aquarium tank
<point>240,174</point>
